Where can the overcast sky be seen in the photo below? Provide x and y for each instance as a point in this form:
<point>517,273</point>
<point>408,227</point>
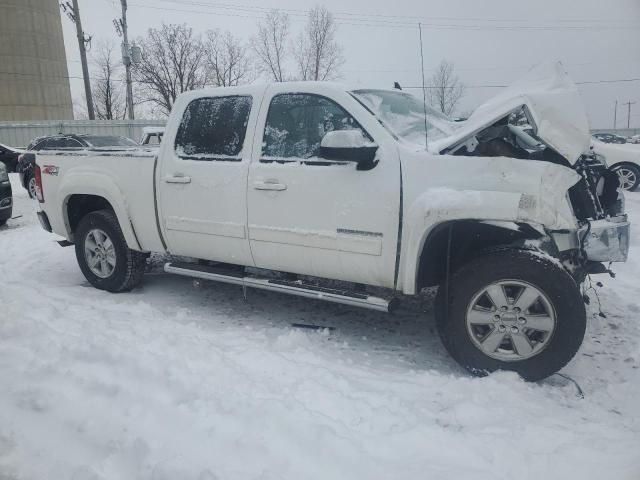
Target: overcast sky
<point>491,42</point>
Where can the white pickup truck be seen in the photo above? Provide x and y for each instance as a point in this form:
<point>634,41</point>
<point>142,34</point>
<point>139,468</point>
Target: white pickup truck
<point>316,190</point>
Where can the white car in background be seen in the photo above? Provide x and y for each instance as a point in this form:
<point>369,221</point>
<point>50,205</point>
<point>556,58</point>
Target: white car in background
<point>152,136</point>
<point>635,139</point>
<point>624,159</point>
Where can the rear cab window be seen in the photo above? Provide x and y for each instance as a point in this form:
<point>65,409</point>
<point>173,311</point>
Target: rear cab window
<point>213,129</point>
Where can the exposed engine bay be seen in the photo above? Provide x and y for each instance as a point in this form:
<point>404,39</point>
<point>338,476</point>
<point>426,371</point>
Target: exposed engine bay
<point>594,197</point>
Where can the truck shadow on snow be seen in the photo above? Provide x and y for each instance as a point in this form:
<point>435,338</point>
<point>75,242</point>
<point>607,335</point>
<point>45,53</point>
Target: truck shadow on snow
<point>406,338</point>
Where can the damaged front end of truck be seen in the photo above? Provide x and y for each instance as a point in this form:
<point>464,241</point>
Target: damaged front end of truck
<point>542,118</point>
<point>522,163</point>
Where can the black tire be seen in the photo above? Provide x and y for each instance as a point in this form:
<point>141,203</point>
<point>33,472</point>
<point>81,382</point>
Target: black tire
<point>130,264</point>
<point>528,267</point>
<point>632,169</point>
<point>3,222</point>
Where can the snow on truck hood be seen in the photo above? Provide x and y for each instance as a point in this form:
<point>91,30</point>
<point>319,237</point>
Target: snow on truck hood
<point>553,102</point>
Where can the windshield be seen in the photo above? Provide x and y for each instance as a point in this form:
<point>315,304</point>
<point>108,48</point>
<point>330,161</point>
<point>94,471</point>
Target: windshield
<point>109,141</point>
<point>404,115</point>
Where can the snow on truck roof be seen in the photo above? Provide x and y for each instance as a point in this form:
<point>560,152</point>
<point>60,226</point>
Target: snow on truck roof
<point>259,88</point>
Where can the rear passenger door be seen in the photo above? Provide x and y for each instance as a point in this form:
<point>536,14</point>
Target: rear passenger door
<point>202,177</point>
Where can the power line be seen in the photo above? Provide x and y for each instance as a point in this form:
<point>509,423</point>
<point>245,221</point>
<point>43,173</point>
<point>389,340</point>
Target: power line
<point>411,19</point>
<point>588,82</point>
<point>260,13</point>
<point>492,68</point>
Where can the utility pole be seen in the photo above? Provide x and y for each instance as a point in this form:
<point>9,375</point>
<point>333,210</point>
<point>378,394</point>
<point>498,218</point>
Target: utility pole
<point>83,58</point>
<point>615,114</point>
<point>628,104</point>
<point>126,59</point>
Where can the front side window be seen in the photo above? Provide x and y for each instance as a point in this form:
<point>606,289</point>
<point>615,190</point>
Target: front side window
<point>297,122</point>
<point>213,128</point>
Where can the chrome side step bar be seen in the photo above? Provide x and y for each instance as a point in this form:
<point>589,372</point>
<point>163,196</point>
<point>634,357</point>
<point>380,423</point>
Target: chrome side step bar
<point>345,297</point>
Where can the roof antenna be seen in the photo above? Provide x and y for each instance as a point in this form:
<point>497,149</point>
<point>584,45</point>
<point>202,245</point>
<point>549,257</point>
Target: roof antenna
<point>397,86</point>
<point>424,91</point>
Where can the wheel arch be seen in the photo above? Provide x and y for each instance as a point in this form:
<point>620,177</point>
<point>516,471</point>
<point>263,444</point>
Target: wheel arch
<point>85,193</point>
<point>625,162</point>
<point>454,242</point>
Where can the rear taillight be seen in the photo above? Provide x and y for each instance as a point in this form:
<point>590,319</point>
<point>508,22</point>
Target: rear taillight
<point>39,191</point>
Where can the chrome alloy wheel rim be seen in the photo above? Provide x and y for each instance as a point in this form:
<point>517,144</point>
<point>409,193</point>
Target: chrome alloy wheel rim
<point>99,253</point>
<point>32,187</point>
<point>510,320</point>
<point>627,178</point>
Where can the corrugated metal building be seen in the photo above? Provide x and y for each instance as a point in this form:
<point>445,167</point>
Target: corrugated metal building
<point>19,134</point>
<point>34,81</point>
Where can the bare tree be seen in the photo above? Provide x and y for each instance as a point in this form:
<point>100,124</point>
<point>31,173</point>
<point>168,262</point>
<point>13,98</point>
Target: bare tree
<point>445,89</point>
<point>172,63</point>
<point>108,94</point>
<point>226,60</point>
<point>318,55</point>
<point>80,107</point>
<point>270,43</point>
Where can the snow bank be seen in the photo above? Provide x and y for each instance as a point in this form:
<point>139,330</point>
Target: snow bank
<point>171,382</point>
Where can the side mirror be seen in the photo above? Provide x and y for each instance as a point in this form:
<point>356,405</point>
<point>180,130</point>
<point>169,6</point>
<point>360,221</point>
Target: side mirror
<point>349,146</point>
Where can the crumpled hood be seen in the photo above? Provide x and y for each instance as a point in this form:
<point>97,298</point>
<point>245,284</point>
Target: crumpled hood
<point>553,102</point>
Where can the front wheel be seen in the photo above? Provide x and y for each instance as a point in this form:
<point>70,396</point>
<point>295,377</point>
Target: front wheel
<point>511,310</point>
<point>103,255</point>
<point>629,175</point>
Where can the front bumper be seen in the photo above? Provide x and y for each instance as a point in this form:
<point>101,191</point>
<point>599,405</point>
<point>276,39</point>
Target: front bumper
<point>606,240</point>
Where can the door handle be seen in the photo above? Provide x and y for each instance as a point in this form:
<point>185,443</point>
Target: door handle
<point>269,185</point>
<point>177,179</point>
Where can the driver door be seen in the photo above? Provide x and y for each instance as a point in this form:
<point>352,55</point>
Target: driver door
<point>312,216</point>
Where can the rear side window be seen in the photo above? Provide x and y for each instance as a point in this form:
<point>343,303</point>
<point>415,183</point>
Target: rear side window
<point>50,144</point>
<point>109,141</point>
<point>213,128</point>
<point>70,143</point>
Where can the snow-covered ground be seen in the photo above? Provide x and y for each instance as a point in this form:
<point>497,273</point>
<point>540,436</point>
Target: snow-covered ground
<point>172,382</point>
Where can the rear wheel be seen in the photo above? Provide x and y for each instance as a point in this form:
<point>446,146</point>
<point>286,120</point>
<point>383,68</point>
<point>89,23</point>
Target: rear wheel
<point>511,310</point>
<point>103,255</point>
<point>31,186</point>
<point>629,175</point>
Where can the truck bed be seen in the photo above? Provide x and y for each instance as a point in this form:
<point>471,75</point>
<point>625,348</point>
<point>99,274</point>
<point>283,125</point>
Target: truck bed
<point>125,178</point>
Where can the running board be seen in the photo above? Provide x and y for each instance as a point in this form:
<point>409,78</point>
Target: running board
<point>297,287</point>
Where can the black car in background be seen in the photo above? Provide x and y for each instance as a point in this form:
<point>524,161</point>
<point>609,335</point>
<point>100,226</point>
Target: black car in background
<point>9,156</point>
<point>609,138</point>
<point>26,160</point>
<point>6,197</point>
